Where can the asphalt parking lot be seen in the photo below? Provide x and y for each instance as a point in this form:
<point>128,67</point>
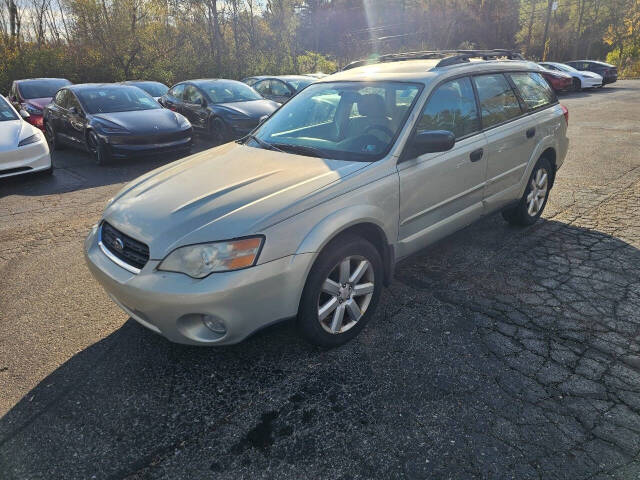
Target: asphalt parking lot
<point>497,353</point>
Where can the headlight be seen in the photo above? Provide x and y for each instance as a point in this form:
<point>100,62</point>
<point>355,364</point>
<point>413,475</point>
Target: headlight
<point>110,128</point>
<point>29,140</point>
<point>31,110</point>
<point>183,122</point>
<point>200,260</point>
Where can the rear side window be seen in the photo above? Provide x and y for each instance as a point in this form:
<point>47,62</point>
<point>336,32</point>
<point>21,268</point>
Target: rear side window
<point>497,99</point>
<point>534,89</point>
<point>452,107</point>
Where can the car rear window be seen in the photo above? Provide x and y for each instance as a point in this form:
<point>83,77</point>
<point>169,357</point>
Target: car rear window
<point>534,89</point>
<point>497,99</point>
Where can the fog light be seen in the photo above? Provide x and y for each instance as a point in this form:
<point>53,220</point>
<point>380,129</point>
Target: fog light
<point>215,325</point>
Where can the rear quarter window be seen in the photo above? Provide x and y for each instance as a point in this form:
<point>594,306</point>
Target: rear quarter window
<point>534,89</point>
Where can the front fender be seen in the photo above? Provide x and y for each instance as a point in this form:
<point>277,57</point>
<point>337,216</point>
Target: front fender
<point>337,222</point>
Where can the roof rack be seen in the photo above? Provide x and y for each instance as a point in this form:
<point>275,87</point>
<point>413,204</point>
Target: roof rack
<point>449,57</point>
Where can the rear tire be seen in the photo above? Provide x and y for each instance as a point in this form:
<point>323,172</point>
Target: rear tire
<point>535,196</point>
<point>341,292</point>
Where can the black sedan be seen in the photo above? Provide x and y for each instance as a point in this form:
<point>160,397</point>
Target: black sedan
<point>110,120</point>
<point>223,110</point>
<point>155,89</point>
<point>608,72</point>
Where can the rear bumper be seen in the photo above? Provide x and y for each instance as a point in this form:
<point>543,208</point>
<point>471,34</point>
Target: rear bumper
<point>611,79</point>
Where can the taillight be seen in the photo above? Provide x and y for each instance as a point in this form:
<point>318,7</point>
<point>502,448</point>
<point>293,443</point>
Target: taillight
<point>565,112</point>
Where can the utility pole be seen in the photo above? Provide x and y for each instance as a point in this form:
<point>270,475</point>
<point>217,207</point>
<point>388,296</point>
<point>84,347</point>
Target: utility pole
<point>552,5</point>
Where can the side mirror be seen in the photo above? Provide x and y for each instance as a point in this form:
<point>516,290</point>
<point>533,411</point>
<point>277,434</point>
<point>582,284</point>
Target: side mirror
<point>24,114</point>
<point>431,141</point>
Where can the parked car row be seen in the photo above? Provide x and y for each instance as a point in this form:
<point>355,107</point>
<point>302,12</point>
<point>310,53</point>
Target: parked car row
<point>578,74</point>
<point>127,119</point>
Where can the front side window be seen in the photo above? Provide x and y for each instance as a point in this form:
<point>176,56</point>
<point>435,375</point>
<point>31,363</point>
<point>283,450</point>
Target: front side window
<point>498,102</point>
<point>177,91</point>
<point>192,95</point>
<point>356,121</point>
<point>61,98</point>
<point>119,98</point>
<point>6,112</point>
<point>533,88</point>
<point>279,88</point>
<point>263,87</point>
<point>452,107</point>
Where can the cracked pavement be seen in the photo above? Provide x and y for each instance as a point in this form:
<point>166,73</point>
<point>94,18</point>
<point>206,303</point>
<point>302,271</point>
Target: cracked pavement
<point>498,353</point>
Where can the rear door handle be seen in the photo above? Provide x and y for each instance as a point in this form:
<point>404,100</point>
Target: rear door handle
<point>476,155</point>
<point>531,133</point>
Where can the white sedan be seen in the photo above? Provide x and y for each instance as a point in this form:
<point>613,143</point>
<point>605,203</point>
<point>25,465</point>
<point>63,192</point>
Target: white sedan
<point>581,79</point>
<point>23,148</point>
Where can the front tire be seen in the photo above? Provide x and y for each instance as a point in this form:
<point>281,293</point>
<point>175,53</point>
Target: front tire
<point>535,197</point>
<point>577,85</point>
<point>97,149</point>
<point>341,292</point>
<point>52,137</point>
<point>218,131</point>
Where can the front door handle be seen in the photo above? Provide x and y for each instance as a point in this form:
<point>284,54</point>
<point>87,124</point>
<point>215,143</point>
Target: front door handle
<point>531,133</point>
<point>476,155</point>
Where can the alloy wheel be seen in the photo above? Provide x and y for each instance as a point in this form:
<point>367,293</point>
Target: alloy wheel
<point>538,193</point>
<point>345,294</point>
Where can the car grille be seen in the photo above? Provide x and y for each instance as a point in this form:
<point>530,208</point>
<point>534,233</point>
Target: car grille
<point>151,139</point>
<point>132,251</point>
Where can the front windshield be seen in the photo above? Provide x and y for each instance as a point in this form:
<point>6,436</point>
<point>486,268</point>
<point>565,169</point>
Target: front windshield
<point>41,88</point>
<point>155,89</point>
<point>228,91</point>
<point>116,98</point>
<point>6,112</point>
<point>565,68</point>
<point>341,120</point>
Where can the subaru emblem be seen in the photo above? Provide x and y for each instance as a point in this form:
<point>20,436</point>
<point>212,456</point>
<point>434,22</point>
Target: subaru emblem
<point>118,244</point>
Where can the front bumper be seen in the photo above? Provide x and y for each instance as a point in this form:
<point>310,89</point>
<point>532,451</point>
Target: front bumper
<point>591,82</point>
<point>30,158</point>
<point>173,304</point>
<point>127,151</point>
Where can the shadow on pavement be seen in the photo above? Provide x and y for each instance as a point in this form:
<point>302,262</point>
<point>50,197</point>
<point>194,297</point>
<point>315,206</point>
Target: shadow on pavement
<point>76,170</point>
<point>486,359</point>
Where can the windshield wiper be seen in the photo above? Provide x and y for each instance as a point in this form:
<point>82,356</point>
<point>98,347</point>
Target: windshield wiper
<point>302,149</point>
<point>262,143</point>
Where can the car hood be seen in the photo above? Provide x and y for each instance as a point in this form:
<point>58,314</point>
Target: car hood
<point>39,102</point>
<point>253,109</point>
<point>226,192</point>
<point>10,133</point>
<point>159,120</point>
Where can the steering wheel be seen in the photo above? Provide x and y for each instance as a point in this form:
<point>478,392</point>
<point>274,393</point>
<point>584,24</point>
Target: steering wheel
<point>382,128</point>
